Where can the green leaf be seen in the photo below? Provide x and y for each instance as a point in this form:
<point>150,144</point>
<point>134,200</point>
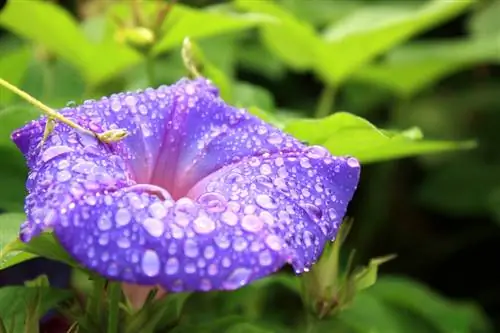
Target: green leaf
<point>247,328</point>
<point>368,314</point>
<point>485,23</point>
<point>443,189</point>
<point>10,224</point>
<point>292,40</point>
<point>13,173</point>
<point>372,30</point>
<point>367,276</point>
<point>44,245</point>
<point>62,35</point>
<point>13,66</point>
<point>444,315</point>
<point>347,134</point>
<point>215,326</point>
<point>183,22</point>
<point>12,118</point>
<point>411,68</point>
<point>249,95</point>
<point>220,80</point>
<point>14,299</point>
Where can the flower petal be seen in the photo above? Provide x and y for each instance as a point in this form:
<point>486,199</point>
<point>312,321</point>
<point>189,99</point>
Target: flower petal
<point>200,196</point>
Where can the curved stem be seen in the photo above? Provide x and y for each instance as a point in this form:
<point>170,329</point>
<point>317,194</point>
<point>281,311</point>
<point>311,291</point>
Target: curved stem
<point>114,295</point>
<point>326,101</point>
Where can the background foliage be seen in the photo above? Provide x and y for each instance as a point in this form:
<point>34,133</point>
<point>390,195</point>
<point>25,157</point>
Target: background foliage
<point>326,71</point>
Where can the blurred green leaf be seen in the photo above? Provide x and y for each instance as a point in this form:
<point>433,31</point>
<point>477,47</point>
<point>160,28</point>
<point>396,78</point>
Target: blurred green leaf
<point>254,57</point>
<point>215,326</point>
<point>62,35</point>
<point>13,173</point>
<point>367,276</point>
<point>13,66</point>
<point>14,299</point>
<point>10,224</point>
<point>444,315</point>
<point>183,22</point>
<point>370,31</point>
<point>347,134</point>
<point>320,12</point>
<point>44,245</point>
<point>247,328</point>
<point>12,118</point>
<point>485,21</point>
<point>292,40</point>
<point>247,95</point>
<point>412,68</point>
<point>367,314</point>
<point>460,188</point>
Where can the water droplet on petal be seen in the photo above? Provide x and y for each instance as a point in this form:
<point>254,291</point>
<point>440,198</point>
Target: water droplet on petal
<point>238,278</point>
<point>150,263</point>
<point>229,218</point>
<point>265,258</point>
<point>154,227</point>
<point>55,151</point>
<point>274,242</point>
<point>316,152</point>
<point>104,223</point>
<point>352,162</point>
<point>213,202</point>
<point>275,139</point>
<point>313,211</point>
<point>171,266</point>
<point>122,217</point>
<point>252,223</point>
<point>203,225</point>
<point>266,202</point>
<point>190,248</point>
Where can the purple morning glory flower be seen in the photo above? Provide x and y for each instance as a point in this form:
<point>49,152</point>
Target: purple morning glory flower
<point>200,196</point>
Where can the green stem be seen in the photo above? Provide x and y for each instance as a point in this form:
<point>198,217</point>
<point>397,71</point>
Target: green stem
<point>326,101</point>
<point>114,295</point>
<point>96,300</point>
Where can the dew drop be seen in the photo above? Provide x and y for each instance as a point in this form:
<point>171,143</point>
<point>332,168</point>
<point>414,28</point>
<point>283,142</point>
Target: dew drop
<point>352,162</point>
<point>190,248</point>
<point>238,278</point>
<point>266,202</point>
<point>265,169</point>
<point>157,210</point>
<point>104,223</point>
<point>213,202</point>
<point>275,139</point>
<point>150,263</point>
<point>313,211</point>
<point>154,227</point>
<point>316,152</point>
<point>274,242</point>
<point>112,269</point>
<point>209,252</point>
<point>265,258</point>
<point>122,217</point>
<point>55,151</point>
<point>172,266</point>
<point>234,178</point>
<point>239,244</point>
<point>123,242</point>
<point>252,223</point>
<point>229,218</point>
<point>63,176</point>
<point>203,225</point>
